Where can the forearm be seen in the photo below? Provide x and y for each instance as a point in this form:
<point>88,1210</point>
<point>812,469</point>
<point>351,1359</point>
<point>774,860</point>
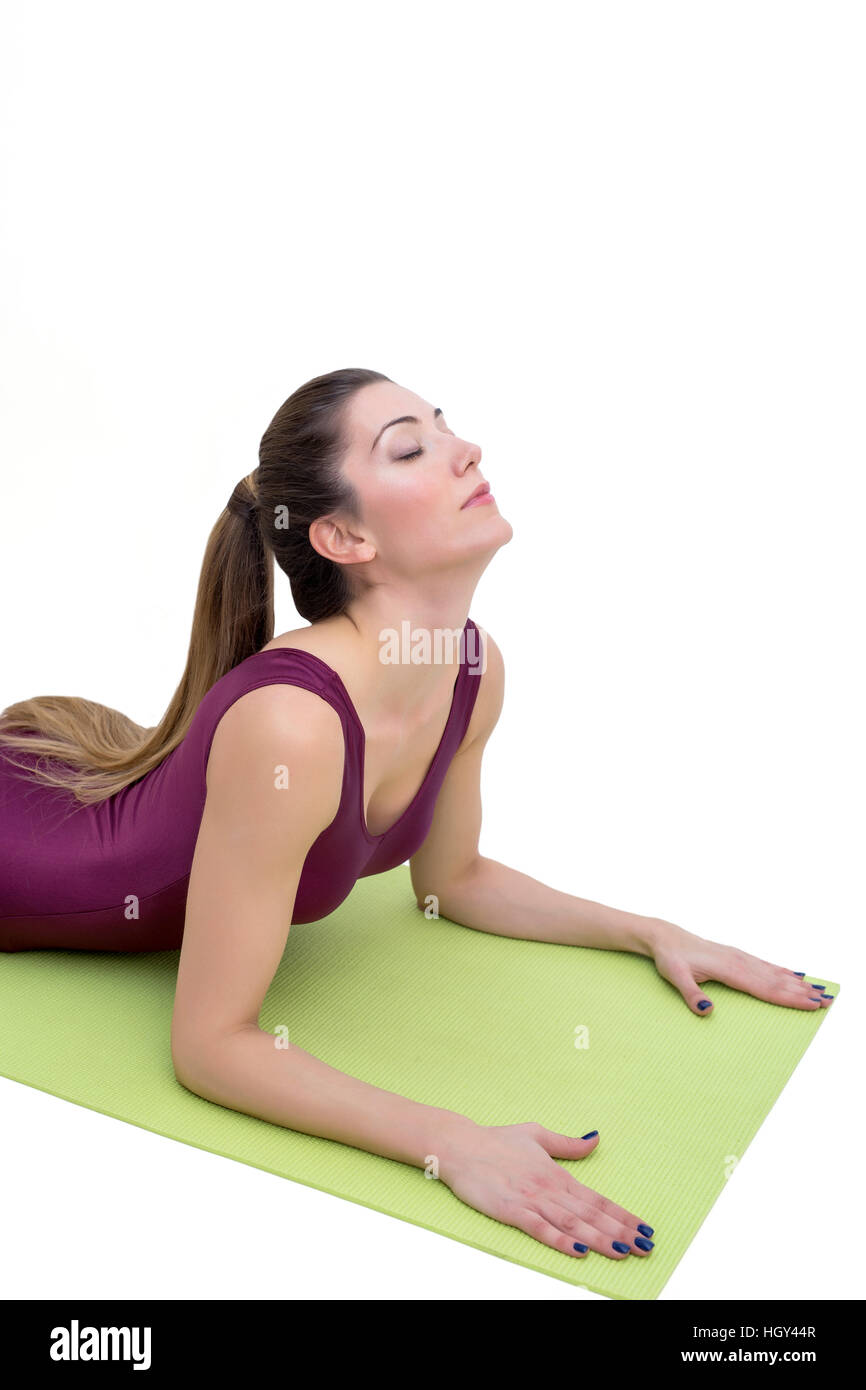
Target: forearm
<point>248,1071</point>
<point>494,898</point>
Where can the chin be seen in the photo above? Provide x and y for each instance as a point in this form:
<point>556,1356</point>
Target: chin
<point>497,532</point>
<point>505,529</point>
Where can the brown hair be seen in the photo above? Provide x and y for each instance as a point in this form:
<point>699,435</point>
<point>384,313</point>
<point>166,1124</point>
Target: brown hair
<point>95,751</point>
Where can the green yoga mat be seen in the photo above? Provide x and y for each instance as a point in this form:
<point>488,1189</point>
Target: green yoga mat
<point>481,1024</point>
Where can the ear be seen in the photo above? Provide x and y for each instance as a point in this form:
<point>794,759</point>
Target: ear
<point>335,541</point>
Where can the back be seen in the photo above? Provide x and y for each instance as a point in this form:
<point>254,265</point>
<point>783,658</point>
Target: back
<point>114,876</point>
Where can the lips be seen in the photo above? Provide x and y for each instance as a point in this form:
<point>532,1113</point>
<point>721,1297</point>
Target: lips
<point>479,492</point>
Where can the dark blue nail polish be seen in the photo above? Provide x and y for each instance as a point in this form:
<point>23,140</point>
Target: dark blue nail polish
<point>643,1244</point>
<point>828,996</point>
<point>644,1229</point>
<point>705,1004</point>
<point>582,1248</point>
<point>801,973</point>
<point>591,1135</point>
<point>621,1247</point>
<point>814,1000</point>
<point>812,985</point>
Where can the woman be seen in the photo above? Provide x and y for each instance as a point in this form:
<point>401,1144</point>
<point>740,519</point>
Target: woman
<point>123,838</point>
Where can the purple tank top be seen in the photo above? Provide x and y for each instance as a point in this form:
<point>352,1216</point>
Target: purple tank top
<point>113,876</point>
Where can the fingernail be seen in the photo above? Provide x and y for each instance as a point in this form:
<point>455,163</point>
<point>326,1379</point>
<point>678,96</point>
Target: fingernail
<point>645,1230</point>
<point>591,1135</point>
<point>582,1248</point>
<point>801,973</point>
<point>813,1000</point>
<point>828,996</point>
<point>643,1244</point>
<point>812,985</point>
<point>705,1004</point>
<point>621,1247</point>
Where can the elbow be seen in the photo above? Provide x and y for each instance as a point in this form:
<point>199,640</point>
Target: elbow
<point>186,1050</point>
<point>442,898</point>
<point>198,1060</point>
<point>188,1069</point>
<point>184,1077</point>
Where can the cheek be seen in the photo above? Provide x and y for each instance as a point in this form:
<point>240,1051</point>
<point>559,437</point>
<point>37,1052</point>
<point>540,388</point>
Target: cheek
<point>413,501</point>
<point>413,522</point>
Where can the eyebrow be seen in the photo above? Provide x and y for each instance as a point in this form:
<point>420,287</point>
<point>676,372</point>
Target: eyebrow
<point>402,420</point>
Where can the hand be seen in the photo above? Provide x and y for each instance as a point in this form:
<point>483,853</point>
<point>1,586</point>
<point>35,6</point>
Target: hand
<point>508,1172</point>
<point>687,960</point>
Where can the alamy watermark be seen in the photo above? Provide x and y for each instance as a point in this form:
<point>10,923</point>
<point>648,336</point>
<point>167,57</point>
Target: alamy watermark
<point>76,1343</point>
<point>436,646</point>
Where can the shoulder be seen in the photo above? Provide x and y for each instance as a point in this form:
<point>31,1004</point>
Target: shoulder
<point>491,690</point>
<point>274,728</point>
<point>282,710</point>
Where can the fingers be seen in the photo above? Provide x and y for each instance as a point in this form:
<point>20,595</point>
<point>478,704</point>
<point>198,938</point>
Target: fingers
<point>559,1228</point>
<point>771,991</point>
<point>814,990</point>
<point>578,1197</point>
<point>590,1225</point>
<point>787,988</point>
<point>560,1212</point>
<point>776,985</point>
<point>575,1219</point>
<point>680,975</point>
<point>582,1211</point>
<point>537,1226</point>
<point>750,975</point>
<point>564,1145</point>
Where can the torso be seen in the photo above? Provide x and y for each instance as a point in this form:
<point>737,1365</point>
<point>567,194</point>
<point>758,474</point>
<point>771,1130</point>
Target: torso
<point>397,756</point>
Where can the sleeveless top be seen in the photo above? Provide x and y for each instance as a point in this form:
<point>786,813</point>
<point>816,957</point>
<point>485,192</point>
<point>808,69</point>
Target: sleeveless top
<point>113,876</point>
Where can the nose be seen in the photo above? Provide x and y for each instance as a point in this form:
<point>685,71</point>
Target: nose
<point>473,456</point>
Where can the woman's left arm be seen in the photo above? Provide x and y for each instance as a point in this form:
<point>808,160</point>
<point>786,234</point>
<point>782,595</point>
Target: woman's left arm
<point>449,874</point>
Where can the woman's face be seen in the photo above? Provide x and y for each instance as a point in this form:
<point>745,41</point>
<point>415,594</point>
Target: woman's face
<point>413,478</point>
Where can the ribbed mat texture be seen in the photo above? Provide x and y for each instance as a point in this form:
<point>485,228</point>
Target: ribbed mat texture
<point>501,1030</point>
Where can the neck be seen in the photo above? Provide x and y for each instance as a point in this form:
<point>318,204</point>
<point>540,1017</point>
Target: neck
<point>407,640</point>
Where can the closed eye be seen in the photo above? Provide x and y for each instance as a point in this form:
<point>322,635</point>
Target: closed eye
<point>404,458</point>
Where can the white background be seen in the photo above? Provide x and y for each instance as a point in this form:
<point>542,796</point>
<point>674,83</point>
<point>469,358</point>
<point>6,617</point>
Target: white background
<point>622,246</point>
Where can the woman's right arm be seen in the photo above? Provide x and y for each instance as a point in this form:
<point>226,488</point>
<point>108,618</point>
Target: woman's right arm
<point>254,837</point>
<point>255,833</point>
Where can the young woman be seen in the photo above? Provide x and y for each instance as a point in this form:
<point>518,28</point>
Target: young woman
<point>287,767</point>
